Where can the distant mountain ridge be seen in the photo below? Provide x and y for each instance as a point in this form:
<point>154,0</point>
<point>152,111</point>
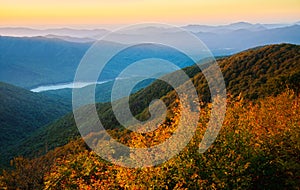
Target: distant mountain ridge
<point>97,32</point>
<point>30,32</point>
<point>29,62</point>
<point>226,28</point>
<point>242,39</point>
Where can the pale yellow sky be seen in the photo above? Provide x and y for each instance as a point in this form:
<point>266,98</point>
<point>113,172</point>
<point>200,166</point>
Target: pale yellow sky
<point>116,12</point>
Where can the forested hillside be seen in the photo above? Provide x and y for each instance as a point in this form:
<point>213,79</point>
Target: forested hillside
<point>22,112</point>
<point>253,74</point>
<point>257,148</point>
<point>38,60</point>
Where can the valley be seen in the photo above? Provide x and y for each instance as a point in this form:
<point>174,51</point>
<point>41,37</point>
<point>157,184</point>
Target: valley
<point>257,147</point>
<point>259,79</point>
<point>158,95</point>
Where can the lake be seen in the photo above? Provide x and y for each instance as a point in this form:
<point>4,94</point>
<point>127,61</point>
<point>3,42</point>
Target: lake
<point>65,85</point>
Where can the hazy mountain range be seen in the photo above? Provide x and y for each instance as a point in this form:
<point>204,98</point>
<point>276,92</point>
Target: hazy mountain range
<point>221,39</point>
<point>33,61</point>
<point>96,33</point>
<point>39,53</point>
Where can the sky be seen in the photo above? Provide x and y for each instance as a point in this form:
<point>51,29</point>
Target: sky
<point>110,13</point>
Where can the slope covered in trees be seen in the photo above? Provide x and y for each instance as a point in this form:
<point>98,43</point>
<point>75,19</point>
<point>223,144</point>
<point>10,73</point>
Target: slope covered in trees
<point>38,60</point>
<point>252,74</point>
<point>258,147</point>
<point>22,112</point>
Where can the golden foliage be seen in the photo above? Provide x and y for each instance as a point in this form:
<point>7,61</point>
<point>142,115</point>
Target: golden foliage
<point>258,147</point>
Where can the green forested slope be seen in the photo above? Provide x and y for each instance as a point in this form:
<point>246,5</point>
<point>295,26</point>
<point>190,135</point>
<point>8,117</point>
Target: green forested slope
<point>22,112</point>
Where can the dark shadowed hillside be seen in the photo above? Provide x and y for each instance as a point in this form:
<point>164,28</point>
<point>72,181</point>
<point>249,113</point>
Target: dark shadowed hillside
<point>22,112</point>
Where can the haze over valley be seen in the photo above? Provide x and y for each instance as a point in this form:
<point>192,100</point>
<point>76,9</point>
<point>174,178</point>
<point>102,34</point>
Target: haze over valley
<point>36,54</point>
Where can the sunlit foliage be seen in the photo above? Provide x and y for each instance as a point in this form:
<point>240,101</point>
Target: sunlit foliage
<point>258,148</point>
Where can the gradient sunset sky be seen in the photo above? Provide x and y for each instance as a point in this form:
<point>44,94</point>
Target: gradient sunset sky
<point>53,13</point>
